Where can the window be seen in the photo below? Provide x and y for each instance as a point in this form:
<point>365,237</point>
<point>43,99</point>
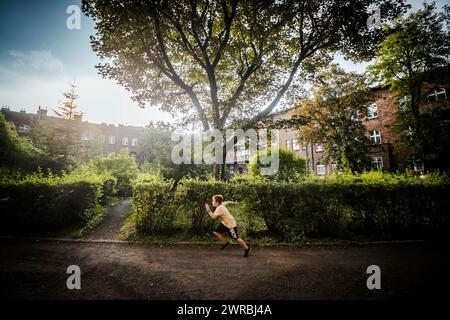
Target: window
<point>287,144</point>
<point>372,111</point>
<point>86,136</point>
<point>336,167</point>
<point>112,140</point>
<point>321,169</point>
<point>418,165</point>
<point>319,148</point>
<point>295,145</point>
<point>403,103</point>
<point>24,128</point>
<point>134,142</point>
<point>375,137</point>
<point>125,141</point>
<point>437,95</point>
<point>410,133</point>
<point>377,163</point>
<point>355,116</point>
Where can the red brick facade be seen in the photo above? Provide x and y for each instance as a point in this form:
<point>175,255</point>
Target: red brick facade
<point>114,138</point>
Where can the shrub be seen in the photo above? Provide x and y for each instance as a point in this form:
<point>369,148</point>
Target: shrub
<point>38,202</point>
<point>371,204</point>
<point>122,167</point>
<point>292,168</point>
<point>191,195</point>
<point>153,209</point>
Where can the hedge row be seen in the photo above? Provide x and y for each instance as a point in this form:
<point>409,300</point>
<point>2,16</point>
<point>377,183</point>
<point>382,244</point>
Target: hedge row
<point>292,211</point>
<point>40,204</point>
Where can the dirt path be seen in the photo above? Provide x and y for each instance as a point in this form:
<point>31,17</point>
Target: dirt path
<point>33,270</point>
<point>109,228</point>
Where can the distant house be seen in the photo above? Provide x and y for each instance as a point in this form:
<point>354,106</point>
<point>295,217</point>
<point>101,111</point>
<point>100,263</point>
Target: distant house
<point>114,138</point>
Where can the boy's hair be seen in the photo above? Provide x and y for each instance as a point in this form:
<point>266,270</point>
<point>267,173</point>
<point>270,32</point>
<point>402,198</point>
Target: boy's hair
<point>218,198</point>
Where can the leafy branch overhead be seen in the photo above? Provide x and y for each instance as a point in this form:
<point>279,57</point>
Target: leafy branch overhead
<point>218,61</point>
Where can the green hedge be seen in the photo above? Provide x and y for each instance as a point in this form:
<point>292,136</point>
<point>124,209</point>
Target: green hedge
<point>38,202</point>
<point>337,208</point>
<point>28,207</point>
<point>153,205</point>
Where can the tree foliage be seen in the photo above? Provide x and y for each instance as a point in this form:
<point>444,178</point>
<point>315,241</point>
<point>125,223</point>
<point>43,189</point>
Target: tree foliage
<point>334,115</point>
<point>419,46</point>
<point>219,61</point>
<point>292,167</point>
<point>20,153</point>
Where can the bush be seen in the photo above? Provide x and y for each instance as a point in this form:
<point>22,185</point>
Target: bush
<point>292,167</point>
<point>18,152</point>
<point>191,195</point>
<point>153,209</point>
<point>38,202</point>
<point>122,167</point>
<point>370,205</point>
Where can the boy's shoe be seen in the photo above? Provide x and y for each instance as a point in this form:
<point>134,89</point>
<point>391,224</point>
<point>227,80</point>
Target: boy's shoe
<point>246,252</point>
<point>224,246</point>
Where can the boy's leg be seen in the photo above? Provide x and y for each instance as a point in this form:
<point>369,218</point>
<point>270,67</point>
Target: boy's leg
<point>220,237</point>
<point>242,243</point>
<point>235,236</point>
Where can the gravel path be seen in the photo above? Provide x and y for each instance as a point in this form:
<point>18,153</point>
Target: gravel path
<point>37,270</point>
<point>109,228</point>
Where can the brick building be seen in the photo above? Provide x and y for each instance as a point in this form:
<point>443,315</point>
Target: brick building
<point>378,122</point>
<point>112,138</point>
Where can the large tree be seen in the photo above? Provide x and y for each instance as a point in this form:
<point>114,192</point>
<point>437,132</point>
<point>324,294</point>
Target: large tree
<point>225,60</point>
<point>334,115</point>
<point>418,47</point>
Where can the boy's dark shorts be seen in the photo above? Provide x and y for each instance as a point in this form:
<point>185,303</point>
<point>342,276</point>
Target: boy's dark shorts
<point>221,228</point>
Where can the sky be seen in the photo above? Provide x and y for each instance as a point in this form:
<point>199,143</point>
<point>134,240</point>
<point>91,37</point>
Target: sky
<point>40,57</point>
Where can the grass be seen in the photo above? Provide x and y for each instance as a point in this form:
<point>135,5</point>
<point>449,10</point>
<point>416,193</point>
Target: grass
<point>95,218</point>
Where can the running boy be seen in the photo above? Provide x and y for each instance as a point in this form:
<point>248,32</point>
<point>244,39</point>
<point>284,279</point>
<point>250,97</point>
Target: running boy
<point>228,224</point>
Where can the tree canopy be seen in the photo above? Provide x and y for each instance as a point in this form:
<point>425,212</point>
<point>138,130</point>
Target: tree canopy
<point>417,49</point>
<point>215,62</point>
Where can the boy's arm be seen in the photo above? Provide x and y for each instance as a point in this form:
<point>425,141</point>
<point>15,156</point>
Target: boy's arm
<point>213,215</point>
<point>225,203</point>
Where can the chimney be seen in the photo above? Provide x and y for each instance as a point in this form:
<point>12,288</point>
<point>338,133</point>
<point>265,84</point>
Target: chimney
<point>22,110</point>
<point>42,113</point>
<point>78,117</point>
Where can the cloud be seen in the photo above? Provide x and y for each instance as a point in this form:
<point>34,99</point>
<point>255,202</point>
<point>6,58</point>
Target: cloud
<point>37,59</point>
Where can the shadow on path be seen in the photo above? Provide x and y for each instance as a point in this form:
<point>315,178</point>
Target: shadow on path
<point>109,228</point>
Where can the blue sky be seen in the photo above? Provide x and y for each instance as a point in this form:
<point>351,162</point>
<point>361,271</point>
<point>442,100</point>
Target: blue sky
<point>40,56</point>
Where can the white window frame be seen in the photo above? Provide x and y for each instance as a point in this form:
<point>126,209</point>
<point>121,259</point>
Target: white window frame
<point>436,93</point>
<point>375,137</point>
<point>372,111</point>
<point>125,141</point>
<point>134,142</point>
<point>323,169</point>
<point>288,144</point>
<point>418,166</point>
<point>319,147</point>
<point>377,163</point>
<point>23,128</point>
<point>295,145</point>
<point>111,139</point>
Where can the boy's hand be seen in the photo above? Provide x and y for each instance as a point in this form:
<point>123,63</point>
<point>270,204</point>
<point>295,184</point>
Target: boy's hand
<point>207,207</point>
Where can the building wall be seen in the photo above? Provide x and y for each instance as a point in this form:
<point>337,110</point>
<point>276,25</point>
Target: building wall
<point>89,131</point>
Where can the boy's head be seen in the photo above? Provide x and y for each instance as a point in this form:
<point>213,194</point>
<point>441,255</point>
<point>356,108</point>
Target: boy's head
<point>217,200</point>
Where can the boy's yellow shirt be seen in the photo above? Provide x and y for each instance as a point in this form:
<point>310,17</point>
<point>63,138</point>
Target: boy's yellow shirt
<point>227,219</point>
